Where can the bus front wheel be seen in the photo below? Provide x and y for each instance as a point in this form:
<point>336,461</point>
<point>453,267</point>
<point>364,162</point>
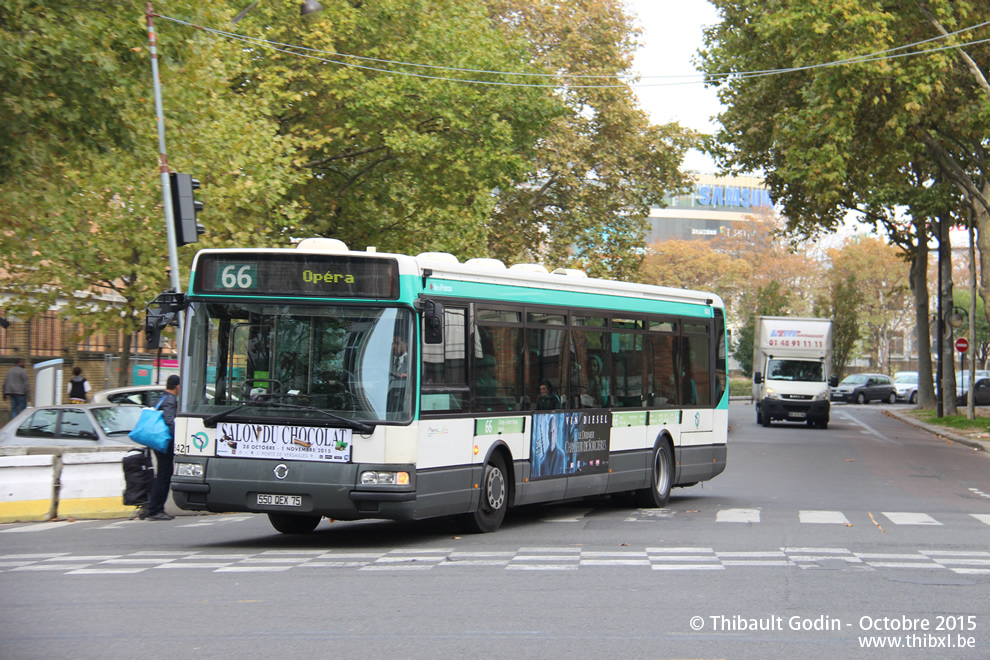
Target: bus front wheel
<point>289,523</point>
<point>658,494</point>
<point>494,499</point>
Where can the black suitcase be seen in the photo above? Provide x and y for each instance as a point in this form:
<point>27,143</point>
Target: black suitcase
<point>139,472</point>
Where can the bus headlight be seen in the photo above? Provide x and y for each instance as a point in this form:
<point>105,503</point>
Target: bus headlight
<point>771,394</point>
<point>822,396</point>
<point>374,478</point>
<point>188,470</point>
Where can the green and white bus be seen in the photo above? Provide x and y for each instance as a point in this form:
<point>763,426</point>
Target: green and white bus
<point>324,382</point>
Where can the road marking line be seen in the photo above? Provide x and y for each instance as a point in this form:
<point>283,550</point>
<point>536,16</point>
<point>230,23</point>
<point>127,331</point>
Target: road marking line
<point>905,518</point>
<point>823,517</point>
<point>738,516</point>
<point>982,517</point>
<point>688,567</point>
<point>869,429</point>
<point>42,527</point>
<point>106,571</point>
<point>818,551</point>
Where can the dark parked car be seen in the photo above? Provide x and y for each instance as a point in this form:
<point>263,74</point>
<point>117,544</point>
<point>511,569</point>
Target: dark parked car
<point>981,393</point>
<point>77,425</point>
<point>863,388</point>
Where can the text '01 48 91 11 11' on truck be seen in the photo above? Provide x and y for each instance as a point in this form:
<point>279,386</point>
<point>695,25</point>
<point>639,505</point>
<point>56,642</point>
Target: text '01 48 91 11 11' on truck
<point>792,370</point>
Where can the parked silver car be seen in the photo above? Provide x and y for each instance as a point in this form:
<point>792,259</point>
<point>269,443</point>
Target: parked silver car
<point>906,384</point>
<point>76,425</point>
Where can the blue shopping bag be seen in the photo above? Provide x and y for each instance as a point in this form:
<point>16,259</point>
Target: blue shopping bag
<point>151,429</point>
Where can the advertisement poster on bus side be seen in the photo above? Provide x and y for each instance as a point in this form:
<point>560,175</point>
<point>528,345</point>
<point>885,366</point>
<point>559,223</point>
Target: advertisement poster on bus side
<point>284,443</point>
<point>572,443</point>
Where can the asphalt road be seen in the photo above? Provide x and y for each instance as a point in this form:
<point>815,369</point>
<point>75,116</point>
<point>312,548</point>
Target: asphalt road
<point>870,532</point>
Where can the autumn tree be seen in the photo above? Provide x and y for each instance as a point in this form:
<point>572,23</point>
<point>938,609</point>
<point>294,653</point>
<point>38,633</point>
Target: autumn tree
<point>881,276</point>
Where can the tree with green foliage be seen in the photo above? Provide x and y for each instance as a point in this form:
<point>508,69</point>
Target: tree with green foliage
<point>841,303</point>
<point>83,225</point>
<point>585,195</point>
<point>868,135</point>
<point>770,300</point>
<point>401,156</point>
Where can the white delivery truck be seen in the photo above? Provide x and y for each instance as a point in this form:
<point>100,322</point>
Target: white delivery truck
<point>792,369</point>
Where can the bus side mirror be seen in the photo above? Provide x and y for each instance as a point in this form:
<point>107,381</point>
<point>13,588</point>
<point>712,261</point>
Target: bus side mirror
<point>833,381</point>
<point>757,378</point>
<point>432,322</point>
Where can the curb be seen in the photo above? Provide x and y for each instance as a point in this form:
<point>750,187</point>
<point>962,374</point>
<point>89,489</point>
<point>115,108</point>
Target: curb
<point>980,445</point>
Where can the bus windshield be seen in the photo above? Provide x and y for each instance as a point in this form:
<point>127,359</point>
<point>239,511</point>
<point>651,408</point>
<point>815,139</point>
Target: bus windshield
<point>297,362</point>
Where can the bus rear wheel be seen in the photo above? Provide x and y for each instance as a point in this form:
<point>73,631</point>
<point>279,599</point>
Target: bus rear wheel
<point>658,494</point>
<point>494,499</point>
<point>289,523</point>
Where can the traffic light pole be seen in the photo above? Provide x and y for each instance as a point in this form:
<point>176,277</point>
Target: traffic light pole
<point>173,258</point>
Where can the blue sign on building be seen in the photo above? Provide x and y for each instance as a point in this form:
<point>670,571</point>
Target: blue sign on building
<point>733,196</point>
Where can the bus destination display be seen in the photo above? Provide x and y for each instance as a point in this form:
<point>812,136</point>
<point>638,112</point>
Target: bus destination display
<point>332,276</point>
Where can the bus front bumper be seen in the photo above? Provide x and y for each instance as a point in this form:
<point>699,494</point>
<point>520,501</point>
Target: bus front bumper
<point>309,488</point>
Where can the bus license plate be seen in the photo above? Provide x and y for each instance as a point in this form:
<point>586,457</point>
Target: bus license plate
<point>797,414</point>
<point>279,500</point>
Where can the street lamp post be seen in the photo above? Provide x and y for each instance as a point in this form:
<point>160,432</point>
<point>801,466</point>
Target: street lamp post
<point>173,254</point>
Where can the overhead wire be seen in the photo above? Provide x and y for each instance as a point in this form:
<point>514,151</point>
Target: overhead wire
<point>328,57</point>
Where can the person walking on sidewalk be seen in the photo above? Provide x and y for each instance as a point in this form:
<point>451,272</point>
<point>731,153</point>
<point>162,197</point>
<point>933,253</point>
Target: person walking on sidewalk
<point>15,387</point>
<point>163,474</point>
<point>78,387</point>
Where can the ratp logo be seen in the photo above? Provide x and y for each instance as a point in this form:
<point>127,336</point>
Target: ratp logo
<point>697,419</point>
<point>199,440</point>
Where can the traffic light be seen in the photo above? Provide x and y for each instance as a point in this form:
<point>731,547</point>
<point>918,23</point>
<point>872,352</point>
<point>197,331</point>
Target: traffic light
<point>184,209</point>
<point>154,322</point>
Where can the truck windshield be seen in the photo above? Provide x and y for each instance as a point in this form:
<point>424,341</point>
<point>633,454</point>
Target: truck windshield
<point>797,370</point>
<point>353,362</point>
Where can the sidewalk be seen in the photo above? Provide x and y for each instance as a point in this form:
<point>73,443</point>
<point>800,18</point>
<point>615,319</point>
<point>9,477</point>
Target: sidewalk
<point>977,439</point>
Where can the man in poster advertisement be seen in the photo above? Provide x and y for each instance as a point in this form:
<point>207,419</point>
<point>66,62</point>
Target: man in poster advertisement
<point>549,458</point>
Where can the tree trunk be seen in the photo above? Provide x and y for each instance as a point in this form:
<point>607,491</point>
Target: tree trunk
<point>982,220</point>
<point>919,286</point>
<point>125,360</point>
<point>947,349</point>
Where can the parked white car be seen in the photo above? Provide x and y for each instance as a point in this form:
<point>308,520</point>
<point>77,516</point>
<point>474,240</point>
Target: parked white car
<point>142,395</point>
<point>73,425</point>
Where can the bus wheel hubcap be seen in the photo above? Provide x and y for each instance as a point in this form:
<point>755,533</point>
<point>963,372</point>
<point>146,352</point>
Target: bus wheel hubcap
<point>495,489</point>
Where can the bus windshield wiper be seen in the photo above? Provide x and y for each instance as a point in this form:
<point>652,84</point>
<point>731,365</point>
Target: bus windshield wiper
<point>360,427</point>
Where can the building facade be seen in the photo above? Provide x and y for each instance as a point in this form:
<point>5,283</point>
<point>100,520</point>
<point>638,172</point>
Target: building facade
<point>714,206</point>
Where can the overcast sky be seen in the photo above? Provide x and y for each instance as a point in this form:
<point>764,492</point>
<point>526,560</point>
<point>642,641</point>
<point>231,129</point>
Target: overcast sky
<point>672,34</point>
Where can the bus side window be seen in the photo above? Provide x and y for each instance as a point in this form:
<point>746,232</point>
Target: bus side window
<point>695,361</point>
<point>444,375</point>
<point>663,370</point>
<point>545,353</point>
<point>497,368</point>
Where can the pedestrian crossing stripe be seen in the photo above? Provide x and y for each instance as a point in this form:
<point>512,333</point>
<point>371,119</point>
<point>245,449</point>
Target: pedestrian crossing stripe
<point>521,559</point>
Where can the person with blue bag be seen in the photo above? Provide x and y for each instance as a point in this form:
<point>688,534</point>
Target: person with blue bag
<point>169,405</point>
